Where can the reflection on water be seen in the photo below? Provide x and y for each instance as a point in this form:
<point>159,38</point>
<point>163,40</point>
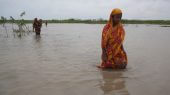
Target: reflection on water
<point>37,38</point>
<point>113,83</point>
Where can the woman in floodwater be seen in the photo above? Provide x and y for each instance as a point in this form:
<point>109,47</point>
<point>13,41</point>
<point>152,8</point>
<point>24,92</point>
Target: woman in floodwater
<point>113,53</point>
<point>37,24</point>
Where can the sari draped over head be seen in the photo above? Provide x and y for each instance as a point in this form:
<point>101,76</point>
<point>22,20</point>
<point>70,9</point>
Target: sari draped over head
<point>112,43</point>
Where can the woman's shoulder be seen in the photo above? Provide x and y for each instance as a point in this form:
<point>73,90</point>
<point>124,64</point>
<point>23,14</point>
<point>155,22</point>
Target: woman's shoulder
<point>106,27</point>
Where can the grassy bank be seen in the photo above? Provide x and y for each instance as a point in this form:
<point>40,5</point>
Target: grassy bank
<point>99,21</point>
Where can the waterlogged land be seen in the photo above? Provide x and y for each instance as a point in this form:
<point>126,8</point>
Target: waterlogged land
<point>98,21</point>
<point>62,62</point>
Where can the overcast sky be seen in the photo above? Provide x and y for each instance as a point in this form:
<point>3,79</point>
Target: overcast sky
<point>85,9</point>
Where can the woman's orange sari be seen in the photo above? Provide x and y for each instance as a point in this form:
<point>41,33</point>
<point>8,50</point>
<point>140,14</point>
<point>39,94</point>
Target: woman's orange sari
<point>112,42</point>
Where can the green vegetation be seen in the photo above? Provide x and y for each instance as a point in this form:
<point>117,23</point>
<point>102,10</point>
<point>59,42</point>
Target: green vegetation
<point>96,21</point>
<point>160,22</point>
<point>165,26</point>
<point>88,21</point>
<point>3,22</point>
<point>21,28</point>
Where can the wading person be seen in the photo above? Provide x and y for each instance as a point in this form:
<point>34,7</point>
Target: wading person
<point>38,26</point>
<point>113,53</point>
<point>46,23</point>
<point>35,23</point>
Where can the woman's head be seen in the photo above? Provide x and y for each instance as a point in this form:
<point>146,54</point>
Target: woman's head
<point>115,16</point>
<point>35,19</point>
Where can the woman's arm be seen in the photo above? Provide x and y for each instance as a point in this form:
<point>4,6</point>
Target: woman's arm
<point>118,41</point>
<point>104,42</point>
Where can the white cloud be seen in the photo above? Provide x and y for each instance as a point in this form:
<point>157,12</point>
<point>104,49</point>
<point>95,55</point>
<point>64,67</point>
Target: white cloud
<point>83,9</point>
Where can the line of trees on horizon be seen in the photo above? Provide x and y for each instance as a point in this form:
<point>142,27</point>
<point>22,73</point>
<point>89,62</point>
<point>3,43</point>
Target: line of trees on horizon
<point>92,21</point>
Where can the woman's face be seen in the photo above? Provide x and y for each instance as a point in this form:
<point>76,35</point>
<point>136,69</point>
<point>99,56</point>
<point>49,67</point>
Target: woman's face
<point>116,18</point>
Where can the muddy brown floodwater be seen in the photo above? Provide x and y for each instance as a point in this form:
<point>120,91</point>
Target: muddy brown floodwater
<point>62,62</point>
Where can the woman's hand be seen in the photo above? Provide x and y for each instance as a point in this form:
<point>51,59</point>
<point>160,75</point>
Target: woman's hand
<point>104,55</point>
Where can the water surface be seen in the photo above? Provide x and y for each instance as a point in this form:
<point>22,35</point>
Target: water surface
<point>62,62</point>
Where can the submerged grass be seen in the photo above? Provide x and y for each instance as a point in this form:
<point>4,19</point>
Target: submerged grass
<point>165,26</point>
<point>22,28</point>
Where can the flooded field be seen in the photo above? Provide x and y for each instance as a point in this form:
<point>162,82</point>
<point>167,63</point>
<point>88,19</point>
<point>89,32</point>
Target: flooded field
<point>62,62</point>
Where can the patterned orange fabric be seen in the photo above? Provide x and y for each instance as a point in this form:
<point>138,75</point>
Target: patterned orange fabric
<point>112,43</point>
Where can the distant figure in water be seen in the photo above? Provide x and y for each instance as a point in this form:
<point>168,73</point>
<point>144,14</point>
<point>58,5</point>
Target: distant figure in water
<point>35,23</point>
<point>46,23</point>
<point>113,53</point>
<point>37,26</point>
<point>40,22</point>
